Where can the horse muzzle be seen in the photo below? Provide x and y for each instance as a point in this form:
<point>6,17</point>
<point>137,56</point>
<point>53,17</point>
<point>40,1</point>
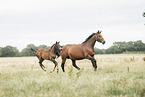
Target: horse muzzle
<point>60,49</point>
<point>103,42</point>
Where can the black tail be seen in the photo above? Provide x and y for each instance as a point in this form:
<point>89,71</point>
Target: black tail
<point>34,51</point>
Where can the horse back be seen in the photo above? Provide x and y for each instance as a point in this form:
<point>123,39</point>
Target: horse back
<point>44,54</point>
<point>74,52</point>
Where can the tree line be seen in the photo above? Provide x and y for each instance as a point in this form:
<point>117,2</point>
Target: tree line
<point>124,47</point>
<point>10,51</point>
<point>116,48</point>
<point>143,14</point>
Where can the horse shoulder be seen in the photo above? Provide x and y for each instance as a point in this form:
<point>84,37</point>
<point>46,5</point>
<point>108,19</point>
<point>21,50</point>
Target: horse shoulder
<point>52,55</point>
<point>45,54</point>
<point>89,51</point>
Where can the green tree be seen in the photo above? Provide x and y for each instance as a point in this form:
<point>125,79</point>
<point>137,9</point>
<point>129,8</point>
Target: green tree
<point>99,51</point>
<point>10,51</point>
<point>43,47</point>
<point>0,51</point>
<point>143,14</point>
<point>130,45</point>
<point>27,51</point>
<point>121,46</point>
<point>113,50</point>
<point>139,46</point>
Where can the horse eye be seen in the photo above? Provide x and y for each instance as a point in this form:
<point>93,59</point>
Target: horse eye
<point>99,36</point>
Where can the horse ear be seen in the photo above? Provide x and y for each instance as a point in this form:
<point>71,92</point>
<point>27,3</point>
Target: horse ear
<point>98,32</point>
<point>56,42</point>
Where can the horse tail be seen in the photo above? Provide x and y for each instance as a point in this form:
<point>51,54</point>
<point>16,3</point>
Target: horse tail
<point>34,51</point>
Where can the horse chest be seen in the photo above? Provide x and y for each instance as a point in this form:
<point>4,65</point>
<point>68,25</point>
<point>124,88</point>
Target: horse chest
<point>89,51</point>
<point>52,56</point>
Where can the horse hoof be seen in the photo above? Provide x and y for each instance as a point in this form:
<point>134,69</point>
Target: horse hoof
<point>95,69</point>
<point>57,70</point>
<point>44,69</point>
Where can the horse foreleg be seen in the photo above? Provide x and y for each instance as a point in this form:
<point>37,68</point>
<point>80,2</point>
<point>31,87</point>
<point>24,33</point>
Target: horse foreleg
<point>94,64</point>
<point>93,60</point>
<point>74,64</point>
<point>56,65</point>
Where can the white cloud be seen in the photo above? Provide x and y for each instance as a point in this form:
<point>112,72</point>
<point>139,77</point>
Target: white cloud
<point>30,6</point>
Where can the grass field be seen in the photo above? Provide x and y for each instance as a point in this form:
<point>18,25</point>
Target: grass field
<point>121,75</point>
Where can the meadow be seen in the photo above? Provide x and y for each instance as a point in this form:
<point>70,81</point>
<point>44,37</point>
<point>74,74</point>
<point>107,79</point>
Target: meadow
<point>118,75</point>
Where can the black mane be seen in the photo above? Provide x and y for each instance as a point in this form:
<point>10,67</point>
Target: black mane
<point>89,37</point>
<point>52,46</point>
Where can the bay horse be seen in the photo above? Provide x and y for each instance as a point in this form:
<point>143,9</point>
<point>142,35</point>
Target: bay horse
<point>49,54</point>
<point>81,51</point>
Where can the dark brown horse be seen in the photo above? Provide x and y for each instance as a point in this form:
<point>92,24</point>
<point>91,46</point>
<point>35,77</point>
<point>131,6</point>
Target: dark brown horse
<point>82,51</point>
<point>50,54</point>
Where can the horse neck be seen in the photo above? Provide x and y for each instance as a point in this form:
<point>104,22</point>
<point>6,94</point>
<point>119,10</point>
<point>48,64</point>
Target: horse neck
<point>90,43</point>
<point>52,50</point>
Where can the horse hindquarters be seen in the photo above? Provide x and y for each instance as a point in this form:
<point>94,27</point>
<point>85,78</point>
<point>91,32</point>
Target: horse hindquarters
<point>64,55</point>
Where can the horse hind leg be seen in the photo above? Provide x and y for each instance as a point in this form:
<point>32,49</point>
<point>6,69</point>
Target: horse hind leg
<point>74,64</point>
<point>41,65</point>
<point>56,65</point>
<point>62,64</point>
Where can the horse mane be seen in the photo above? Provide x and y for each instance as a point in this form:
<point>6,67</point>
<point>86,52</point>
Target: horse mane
<point>52,46</point>
<point>89,37</point>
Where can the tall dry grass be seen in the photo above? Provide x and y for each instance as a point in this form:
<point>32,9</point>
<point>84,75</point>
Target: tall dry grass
<point>23,77</point>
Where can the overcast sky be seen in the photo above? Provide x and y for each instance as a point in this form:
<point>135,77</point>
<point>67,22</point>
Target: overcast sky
<point>39,22</point>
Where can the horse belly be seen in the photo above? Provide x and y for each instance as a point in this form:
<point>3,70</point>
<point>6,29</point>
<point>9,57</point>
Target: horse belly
<point>76,54</point>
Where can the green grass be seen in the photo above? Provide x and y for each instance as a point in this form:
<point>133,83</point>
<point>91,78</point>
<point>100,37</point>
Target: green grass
<point>22,77</point>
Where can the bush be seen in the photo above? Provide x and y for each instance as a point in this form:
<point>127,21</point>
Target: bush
<point>144,58</point>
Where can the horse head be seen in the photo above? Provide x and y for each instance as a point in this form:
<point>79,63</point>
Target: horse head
<point>57,48</point>
<point>99,37</point>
